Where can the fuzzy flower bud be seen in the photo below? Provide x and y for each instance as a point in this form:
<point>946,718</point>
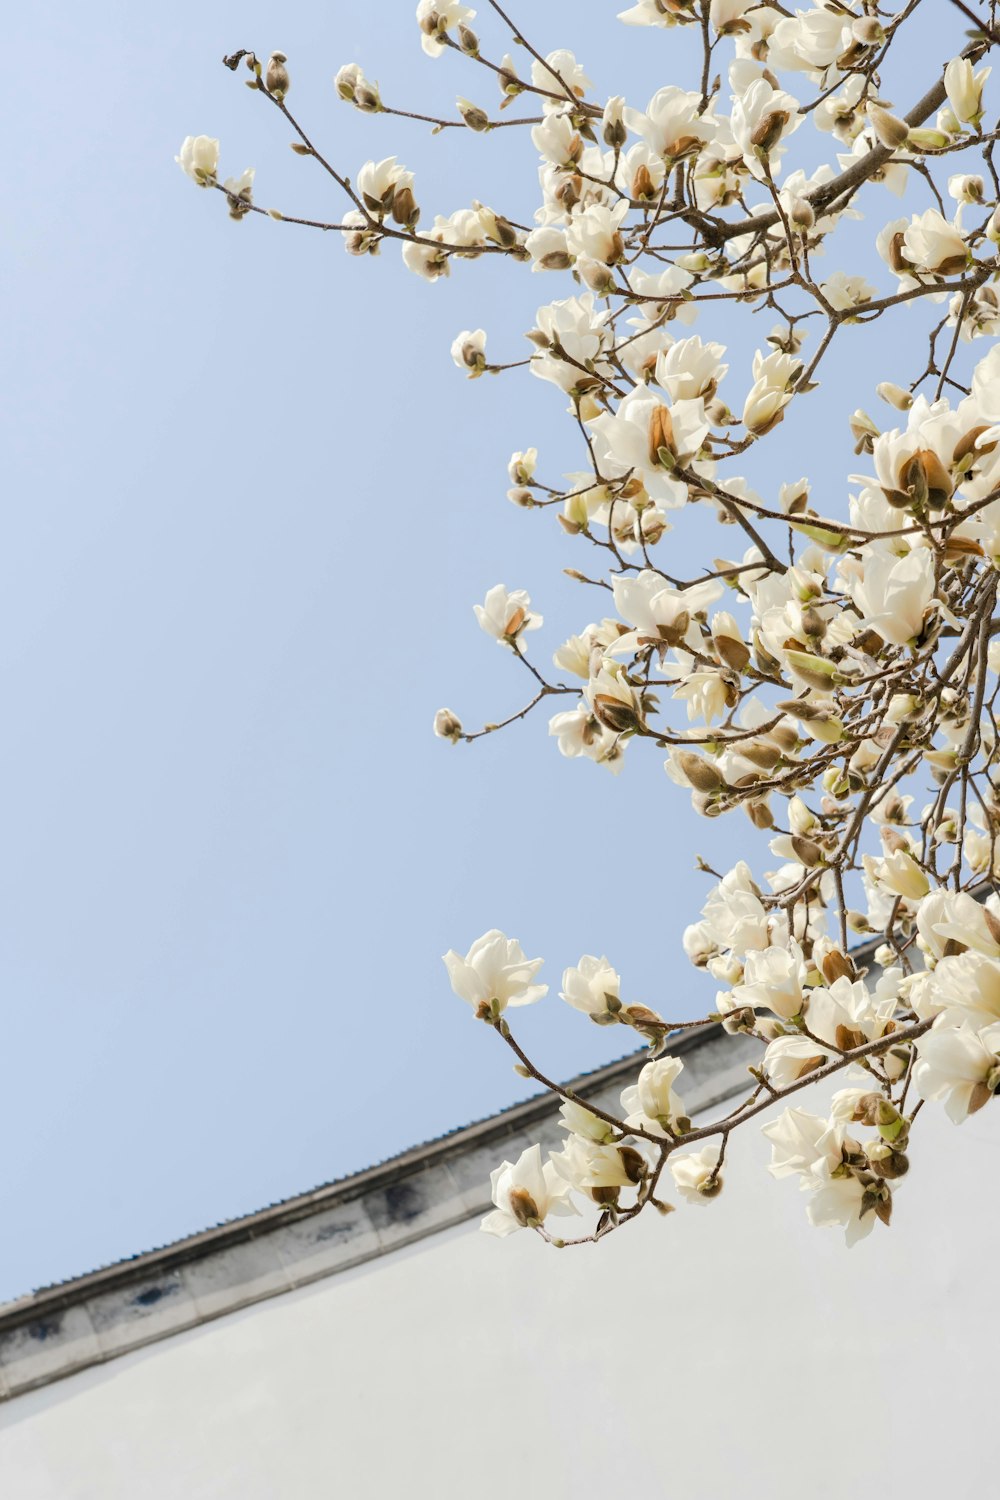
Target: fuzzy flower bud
<point>894,395</point>
<point>890,131</point>
<point>447,726</point>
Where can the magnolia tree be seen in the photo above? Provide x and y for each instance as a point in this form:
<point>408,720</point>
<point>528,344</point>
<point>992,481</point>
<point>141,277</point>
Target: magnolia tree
<point>844,701</point>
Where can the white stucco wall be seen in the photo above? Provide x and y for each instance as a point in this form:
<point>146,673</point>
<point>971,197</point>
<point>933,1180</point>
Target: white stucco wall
<point>731,1350</point>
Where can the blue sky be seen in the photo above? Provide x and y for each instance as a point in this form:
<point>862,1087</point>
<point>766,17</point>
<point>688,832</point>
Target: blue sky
<point>249,505</point>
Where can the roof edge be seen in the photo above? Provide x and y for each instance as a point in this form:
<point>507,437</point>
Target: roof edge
<point>119,1275</point>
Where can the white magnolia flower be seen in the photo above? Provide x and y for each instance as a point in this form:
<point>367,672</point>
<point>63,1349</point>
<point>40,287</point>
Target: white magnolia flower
<point>841,1200</point>
<point>689,369</point>
<point>354,88</point>
<point>965,89</point>
<point>847,1013</point>
<point>651,1103</point>
<point>673,125</point>
<point>945,917</point>
<point>590,986</point>
<point>706,690</point>
<point>843,291</point>
<point>894,594</point>
<point>613,130</point>
<point>521,467</point>
<point>696,1174</point>
<point>772,979</point>
<point>596,233</point>
<point>494,974</point>
<point>811,40</point>
<point>764,408</point>
<point>789,1058</point>
<point>613,700</point>
<point>802,1142</point>
<point>582,1121</point>
<point>587,1165</point>
<point>199,158</point>
<point>899,873</point>
<point>734,915</point>
<point>459,231</point>
<point>968,987</point>
<point>577,654</point>
<point>241,186</point>
<point>932,245</point>
<point>572,336</point>
<point>580,733</point>
<point>506,615</point>
<point>763,117</point>
<point>728,16</point>
<point>967,187</point>
<point>558,141</point>
<point>379,181</point>
<point>435,19</point>
<point>648,436</point>
<point>469,352</point>
<point>548,249</point>
<point>560,68</point>
<point>526,1193</point>
<point>660,614</point>
<point>648,13</point>
<point>959,1065</point>
<point>447,726</point>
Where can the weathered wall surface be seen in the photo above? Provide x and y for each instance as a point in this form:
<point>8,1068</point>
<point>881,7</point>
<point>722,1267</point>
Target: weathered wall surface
<point>730,1350</point>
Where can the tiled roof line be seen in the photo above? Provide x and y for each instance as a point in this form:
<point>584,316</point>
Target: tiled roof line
<point>63,1329</point>
<point>230,1232</point>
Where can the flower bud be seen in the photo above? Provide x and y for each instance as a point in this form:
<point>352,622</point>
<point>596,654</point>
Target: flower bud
<point>633,1163</point>
<point>696,261</point>
<point>863,431</point>
<point>523,1207</point>
<point>404,208</point>
<point>894,395</point>
<point>620,717</point>
<point>877,1196</point>
<point>967,187</point>
<point>922,139</point>
<point>868,31</point>
<point>510,84</point>
<point>807,851</point>
<point>759,813</point>
<point>474,117</point>
<point>276,79</point>
<point>702,775</point>
<point>447,726</point>
<point>521,466</point>
<point>801,213</point>
<point>890,131</point>
<point>467,40</point>
<point>835,782</point>
<point>613,126</point>
<point>965,89</point>
<point>768,133</point>
<point>595,275</point>
<point>346,81</point>
<point>885,1162</point>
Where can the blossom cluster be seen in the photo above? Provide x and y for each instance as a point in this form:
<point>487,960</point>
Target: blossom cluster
<point>833,674</point>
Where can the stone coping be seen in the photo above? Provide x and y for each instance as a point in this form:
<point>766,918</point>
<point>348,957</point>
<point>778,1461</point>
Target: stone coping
<point>62,1329</point>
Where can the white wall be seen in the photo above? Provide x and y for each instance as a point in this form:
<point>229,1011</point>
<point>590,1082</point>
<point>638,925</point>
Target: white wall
<point>730,1350</point>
